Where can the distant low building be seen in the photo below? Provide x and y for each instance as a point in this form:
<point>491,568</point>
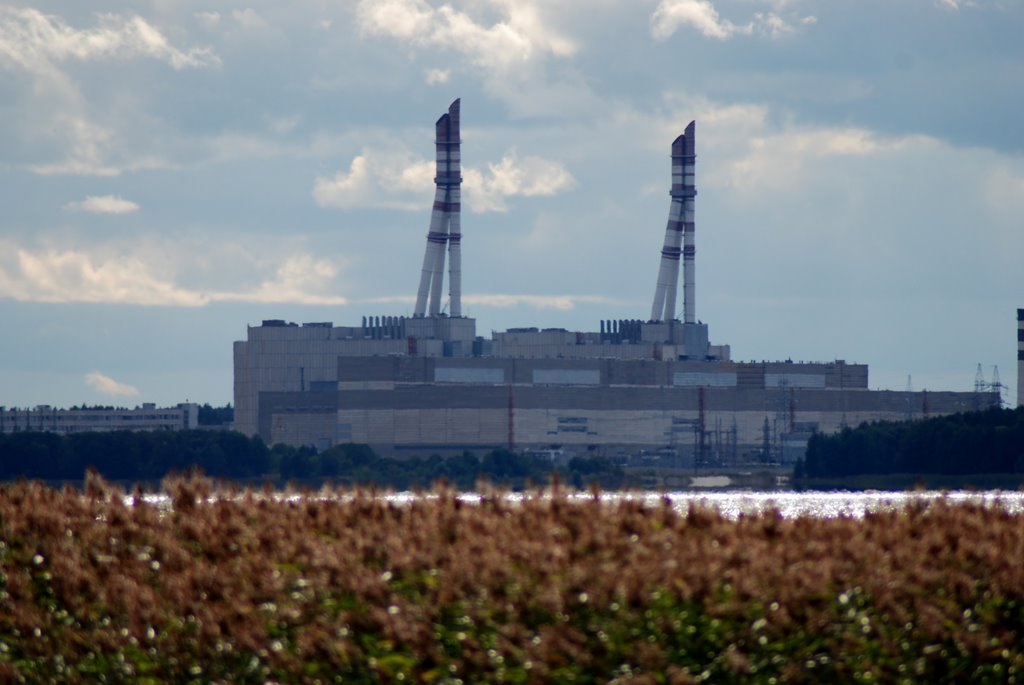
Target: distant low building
<point>148,417</point>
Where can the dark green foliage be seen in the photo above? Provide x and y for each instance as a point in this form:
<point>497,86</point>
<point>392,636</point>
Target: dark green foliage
<point>990,441</point>
<point>584,471</point>
<point>216,416</point>
<point>353,464</point>
<point>128,455</point>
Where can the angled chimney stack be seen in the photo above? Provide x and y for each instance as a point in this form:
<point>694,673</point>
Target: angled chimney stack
<point>679,234</point>
<point>445,228</point>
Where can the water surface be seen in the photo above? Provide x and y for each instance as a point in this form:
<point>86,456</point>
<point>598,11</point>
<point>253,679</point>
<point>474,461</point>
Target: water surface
<point>730,503</point>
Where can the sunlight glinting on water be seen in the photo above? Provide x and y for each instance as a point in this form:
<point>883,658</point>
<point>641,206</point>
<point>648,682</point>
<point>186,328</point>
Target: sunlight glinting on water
<point>730,503</point>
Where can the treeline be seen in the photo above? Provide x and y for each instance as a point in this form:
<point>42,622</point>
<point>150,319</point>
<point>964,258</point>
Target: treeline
<point>149,456</point>
<point>131,455</point>
<point>990,441</point>
<point>359,465</point>
<point>216,416</point>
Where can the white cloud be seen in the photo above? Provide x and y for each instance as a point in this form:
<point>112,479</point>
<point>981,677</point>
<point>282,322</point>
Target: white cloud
<point>512,176</point>
<point>436,76</point>
<point>786,159</point>
<point>103,204</point>
<point>208,20</point>
<point>774,25</point>
<point>397,181</point>
<point>509,45</point>
<point>520,36</point>
<point>388,180</point>
<point>105,385</point>
<point>152,277</point>
<point>671,15</point>
<point>699,14</point>
<point>38,45</point>
<point>300,279</point>
<point>32,39</point>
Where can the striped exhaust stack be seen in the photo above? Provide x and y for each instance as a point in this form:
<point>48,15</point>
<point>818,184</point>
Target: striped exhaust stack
<point>445,226</point>
<point>679,234</point>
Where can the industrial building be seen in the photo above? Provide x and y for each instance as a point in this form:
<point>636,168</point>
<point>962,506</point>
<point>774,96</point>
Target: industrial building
<point>427,383</point>
<point>148,417</point>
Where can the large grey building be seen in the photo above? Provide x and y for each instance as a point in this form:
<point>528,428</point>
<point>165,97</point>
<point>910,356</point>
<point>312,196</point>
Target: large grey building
<point>427,383</point>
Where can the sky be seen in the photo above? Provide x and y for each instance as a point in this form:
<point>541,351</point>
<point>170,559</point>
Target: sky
<point>172,171</point>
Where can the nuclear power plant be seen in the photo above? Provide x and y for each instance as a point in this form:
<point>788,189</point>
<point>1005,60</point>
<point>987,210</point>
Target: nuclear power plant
<point>426,383</point>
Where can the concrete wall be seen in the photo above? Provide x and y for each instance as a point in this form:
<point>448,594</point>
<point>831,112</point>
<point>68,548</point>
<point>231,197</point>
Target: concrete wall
<point>435,416</point>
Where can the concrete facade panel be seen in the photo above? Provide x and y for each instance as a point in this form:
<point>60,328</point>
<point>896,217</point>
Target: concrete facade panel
<point>691,379</point>
<point>794,380</point>
<point>567,376</point>
<point>448,374</point>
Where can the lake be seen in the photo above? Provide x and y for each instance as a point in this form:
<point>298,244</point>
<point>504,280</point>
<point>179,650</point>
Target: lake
<point>730,503</point>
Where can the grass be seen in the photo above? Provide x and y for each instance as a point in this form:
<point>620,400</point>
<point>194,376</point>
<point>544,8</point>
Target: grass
<point>250,589</point>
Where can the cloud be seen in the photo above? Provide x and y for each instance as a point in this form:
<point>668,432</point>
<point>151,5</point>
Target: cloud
<point>39,45</point>
<point>393,180</point>
<point>520,36</point>
<point>385,180</point>
<point>299,279</point>
<point>699,14</point>
<point>34,40</point>
<point>208,20</point>
<point>671,15</point>
<point>786,159</point>
<point>436,76</point>
<point>512,176</point>
<point>86,145</point>
<point>151,278</point>
<point>105,385</point>
<point>103,204</point>
<point>507,44</point>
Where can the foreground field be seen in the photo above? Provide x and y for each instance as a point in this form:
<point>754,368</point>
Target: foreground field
<point>248,588</point>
